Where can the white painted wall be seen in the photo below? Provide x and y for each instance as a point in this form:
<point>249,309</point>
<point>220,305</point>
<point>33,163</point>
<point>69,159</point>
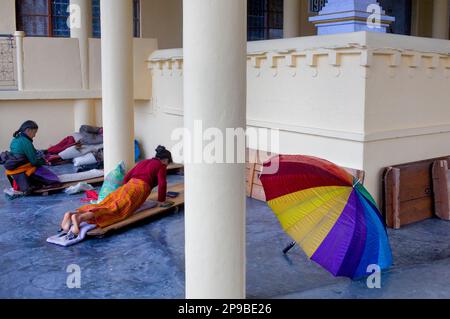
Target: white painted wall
<point>51,64</point>
<point>7,16</point>
<point>54,117</point>
<point>407,105</point>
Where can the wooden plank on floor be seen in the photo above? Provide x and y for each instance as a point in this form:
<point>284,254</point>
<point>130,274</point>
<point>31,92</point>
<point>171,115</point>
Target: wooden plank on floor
<point>178,201</point>
<point>175,167</point>
<point>46,191</point>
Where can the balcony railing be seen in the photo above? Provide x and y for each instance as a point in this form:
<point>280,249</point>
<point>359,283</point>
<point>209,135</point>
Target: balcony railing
<point>8,66</point>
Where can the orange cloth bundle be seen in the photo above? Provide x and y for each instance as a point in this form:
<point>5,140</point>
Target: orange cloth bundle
<point>28,169</point>
<point>120,204</point>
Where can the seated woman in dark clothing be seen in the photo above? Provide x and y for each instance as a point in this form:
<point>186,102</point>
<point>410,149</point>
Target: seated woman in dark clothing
<point>123,202</point>
<point>29,173</point>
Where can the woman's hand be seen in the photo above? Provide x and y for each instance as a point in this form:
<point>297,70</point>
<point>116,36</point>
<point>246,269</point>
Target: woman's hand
<point>78,145</point>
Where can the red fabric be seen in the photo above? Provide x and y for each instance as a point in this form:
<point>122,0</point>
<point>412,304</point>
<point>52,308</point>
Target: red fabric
<point>296,173</point>
<point>63,145</point>
<point>153,172</point>
<point>53,158</point>
<point>15,186</point>
<point>90,196</point>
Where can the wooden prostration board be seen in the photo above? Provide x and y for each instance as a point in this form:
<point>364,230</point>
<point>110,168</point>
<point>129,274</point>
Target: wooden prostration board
<point>408,192</point>
<point>441,189</point>
<point>172,168</point>
<point>175,168</point>
<point>47,191</point>
<point>178,201</point>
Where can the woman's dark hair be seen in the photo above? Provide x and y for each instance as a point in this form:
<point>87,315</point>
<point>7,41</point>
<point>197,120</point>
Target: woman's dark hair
<point>162,153</point>
<point>28,125</point>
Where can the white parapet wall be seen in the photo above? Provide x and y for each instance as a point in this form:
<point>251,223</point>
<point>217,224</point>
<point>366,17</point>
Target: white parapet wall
<point>362,100</point>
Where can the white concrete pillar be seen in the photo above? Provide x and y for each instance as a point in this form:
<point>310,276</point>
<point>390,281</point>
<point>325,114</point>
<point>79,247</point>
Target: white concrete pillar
<point>81,28</point>
<point>291,18</point>
<point>117,82</point>
<point>84,113</point>
<point>215,94</point>
<point>18,36</point>
<point>441,19</point>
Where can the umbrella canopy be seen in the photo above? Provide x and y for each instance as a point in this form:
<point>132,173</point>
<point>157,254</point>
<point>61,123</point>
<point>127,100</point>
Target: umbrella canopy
<point>328,213</point>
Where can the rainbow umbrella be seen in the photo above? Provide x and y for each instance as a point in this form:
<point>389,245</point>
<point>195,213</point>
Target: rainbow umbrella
<point>328,213</point>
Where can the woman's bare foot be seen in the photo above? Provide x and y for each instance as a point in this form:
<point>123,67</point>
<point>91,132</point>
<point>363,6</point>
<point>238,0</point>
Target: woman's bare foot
<point>75,224</point>
<point>66,222</point>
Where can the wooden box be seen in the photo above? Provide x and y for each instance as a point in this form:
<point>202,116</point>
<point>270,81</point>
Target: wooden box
<point>408,192</point>
<point>441,189</point>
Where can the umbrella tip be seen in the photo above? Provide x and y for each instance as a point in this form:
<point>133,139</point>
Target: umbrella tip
<point>356,182</point>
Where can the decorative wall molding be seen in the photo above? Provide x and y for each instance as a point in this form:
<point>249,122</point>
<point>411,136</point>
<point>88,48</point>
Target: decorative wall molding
<point>291,61</point>
<point>369,55</point>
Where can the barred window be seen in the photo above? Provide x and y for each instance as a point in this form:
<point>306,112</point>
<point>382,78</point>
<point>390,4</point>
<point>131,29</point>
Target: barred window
<point>43,18</point>
<point>96,24</point>
<point>402,11</point>
<point>59,18</point>
<point>34,17</point>
<point>265,19</point>
<point>48,18</point>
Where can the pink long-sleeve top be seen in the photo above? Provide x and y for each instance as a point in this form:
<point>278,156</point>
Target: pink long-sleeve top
<point>153,172</point>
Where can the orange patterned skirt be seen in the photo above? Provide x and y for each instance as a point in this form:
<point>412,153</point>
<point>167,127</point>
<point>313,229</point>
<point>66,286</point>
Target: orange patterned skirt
<point>118,205</point>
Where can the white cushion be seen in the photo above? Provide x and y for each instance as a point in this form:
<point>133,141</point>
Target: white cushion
<point>73,152</point>
<point>77,136</point>
<point>87,159</point>
<point>83,176</point>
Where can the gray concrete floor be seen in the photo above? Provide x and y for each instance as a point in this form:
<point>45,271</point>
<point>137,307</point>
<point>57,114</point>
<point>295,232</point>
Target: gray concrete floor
<point>147,260</point>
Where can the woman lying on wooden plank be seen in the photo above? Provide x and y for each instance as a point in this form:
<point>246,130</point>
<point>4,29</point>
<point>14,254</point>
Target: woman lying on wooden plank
<point>122,203</point>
